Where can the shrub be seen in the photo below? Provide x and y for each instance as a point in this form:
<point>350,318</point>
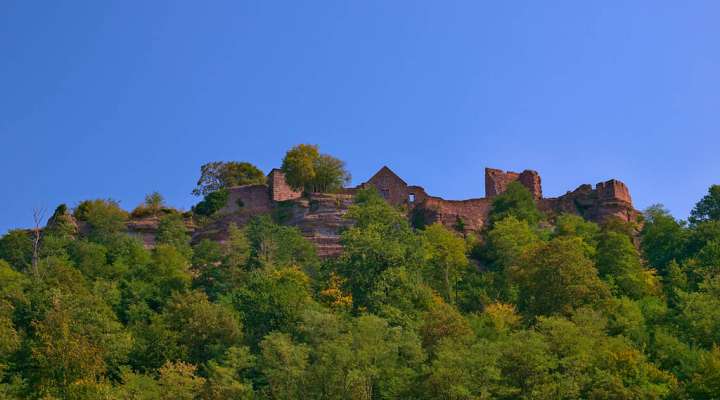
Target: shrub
<point>212,203</point>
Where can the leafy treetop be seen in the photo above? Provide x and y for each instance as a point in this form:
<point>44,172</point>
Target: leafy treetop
<point>306,169</point>
<point>217,175</point>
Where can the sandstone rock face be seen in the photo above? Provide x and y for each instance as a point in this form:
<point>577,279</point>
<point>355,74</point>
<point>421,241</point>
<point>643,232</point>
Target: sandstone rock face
<point>64,220</point>
<point>321,220</point>
<point>144,229</point>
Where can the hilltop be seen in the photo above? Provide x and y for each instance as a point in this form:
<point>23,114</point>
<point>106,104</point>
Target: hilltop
<point>319,216</point>
<point>294,284</point>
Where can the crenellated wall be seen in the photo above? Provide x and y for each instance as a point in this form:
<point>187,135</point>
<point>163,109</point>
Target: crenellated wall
<point>497,181</point>
<point>610,199</point>
<point>320,216</point>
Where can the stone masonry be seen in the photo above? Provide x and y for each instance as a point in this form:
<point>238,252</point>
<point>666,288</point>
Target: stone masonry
<point>320,216</point>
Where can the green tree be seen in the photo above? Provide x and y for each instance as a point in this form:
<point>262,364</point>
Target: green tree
<point>663,238</point>
<point>447,259</point>
<point>78,339</point>
<point>226,376</point>
<point>505,247</point>
<point>218,175</point>
<point>441,322</point>
<point>173,231</point>
<point>306,169</point>
<point>178,381</point>
<point>400,296</point>
<point>10,339</point>
<point>569,225</point>
<point>16,247</point>
<point>209,269</point>
<point>705,383</point>
<point>59,233</point>
<point>169,272</point>
<point>91,259</point>
<point>155,201</point>
<point>699,313</point>
<point>708,208</point>
<point>515,201</point>
<point>464,371</point>
<point>526,364</point>
<point>618,262</point>
<point>134,386</point>
<point>212,202</point>
<point>154,344</point>
<point>299,165</point>
<point>557,277</point>
<point>152,206</point>
<point>273,244</point>
<point>284,364</point>
<point>205,329</point>
<point>330,174</point>
<point>673,355</point>
<point>381,238</point>
<point>507,242</point>
<point>272,300</point>
<point>104,218</point>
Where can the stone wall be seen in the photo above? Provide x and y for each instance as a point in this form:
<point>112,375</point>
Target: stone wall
<point>391,187</point>
<point>613,190</point>
<point>472,213</point>
<point>610,199</point>
<point>531,180</point>
<point>279,189</point>
<point>320,217</point>
<point>248,198</point>
<point>497,181</point>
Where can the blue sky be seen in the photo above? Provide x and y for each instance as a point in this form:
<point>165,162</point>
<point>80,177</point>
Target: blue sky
<point>118,99</point>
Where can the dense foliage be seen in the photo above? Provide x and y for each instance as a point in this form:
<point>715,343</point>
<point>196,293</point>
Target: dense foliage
<point>212,202</point>
<point>533,308</point>
<point>307,169</point>
<point>218,175</point>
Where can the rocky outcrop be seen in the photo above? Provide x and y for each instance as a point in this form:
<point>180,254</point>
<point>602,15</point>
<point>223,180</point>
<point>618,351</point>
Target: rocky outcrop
<point>144,229</point>
<point>320,218</point>
<point>610,199</point>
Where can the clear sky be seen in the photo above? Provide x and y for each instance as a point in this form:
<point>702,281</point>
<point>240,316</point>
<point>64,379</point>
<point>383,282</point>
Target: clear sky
<point>120,98</point>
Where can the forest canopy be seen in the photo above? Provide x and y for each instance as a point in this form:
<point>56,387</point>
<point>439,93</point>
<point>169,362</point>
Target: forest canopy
<point>533,307</point>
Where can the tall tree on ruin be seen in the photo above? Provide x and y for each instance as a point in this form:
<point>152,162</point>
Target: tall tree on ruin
<point>217,175</point>
<point>307,169</point>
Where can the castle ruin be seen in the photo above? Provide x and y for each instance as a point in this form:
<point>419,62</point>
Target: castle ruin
<point>320,215</point>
